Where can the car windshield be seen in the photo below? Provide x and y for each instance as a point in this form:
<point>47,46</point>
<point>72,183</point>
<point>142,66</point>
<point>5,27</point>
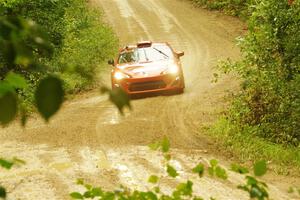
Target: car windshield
<point>146,54</point>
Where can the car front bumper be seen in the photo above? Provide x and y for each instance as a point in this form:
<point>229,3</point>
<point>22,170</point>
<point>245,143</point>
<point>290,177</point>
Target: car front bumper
<point>166,82</point>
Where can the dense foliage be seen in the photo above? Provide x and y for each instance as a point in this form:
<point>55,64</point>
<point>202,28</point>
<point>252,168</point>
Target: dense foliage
<point>18,57</point>
<point>269,103</point>
<point>77,39</point>
<point>241,8</point>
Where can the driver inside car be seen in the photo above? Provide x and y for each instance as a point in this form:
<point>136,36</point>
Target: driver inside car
<point>127,57</point>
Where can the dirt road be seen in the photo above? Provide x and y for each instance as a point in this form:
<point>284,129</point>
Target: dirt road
<point>88,138</point>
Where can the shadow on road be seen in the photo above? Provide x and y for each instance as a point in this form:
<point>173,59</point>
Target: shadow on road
<point>155,94</point>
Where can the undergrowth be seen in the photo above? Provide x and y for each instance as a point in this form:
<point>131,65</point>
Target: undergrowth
<point>245,147</point>
<point>79,40</point>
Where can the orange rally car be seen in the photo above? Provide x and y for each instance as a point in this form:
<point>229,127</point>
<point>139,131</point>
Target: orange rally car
<point>147,68</point>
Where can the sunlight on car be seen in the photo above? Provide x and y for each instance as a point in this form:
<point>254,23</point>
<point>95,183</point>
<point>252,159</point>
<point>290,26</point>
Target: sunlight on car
<point>148,67</point>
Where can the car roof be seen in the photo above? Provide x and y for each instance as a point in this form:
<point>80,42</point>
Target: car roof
<point>143,44</point>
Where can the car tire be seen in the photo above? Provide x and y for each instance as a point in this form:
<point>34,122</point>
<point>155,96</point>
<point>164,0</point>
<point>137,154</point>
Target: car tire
<point>180,91</point>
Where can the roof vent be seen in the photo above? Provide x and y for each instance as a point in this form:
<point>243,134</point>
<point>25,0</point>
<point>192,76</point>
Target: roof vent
<point>144,44</point>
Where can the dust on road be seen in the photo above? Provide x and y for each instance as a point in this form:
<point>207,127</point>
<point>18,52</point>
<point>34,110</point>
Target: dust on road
<point>89,139</point>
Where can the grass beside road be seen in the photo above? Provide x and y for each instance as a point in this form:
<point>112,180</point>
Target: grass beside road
<point>229,7</point>
<point>245,147</point>
<point>266,101</point>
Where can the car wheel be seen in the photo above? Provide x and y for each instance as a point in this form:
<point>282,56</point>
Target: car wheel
<point>180,91</point>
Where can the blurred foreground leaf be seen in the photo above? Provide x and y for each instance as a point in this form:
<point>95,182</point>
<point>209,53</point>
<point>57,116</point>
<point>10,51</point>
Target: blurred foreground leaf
<point>154,146</point>
<point>239,169</point>
<point>5,87</point>
<point>216,170</point>
<point>199,169</point>
<point>49,96</point>
<point>172,171</point>
<point>19,161</point>
<point>6,164</point>
<point>153,179</point>
<point>260,168</point>
<point>185,189</point>
<point>213,162</point>
<point>2,192</point>
<point>21,41</point>
<point>221,173</point>
<point>8,107</point>
<point>76,195</point>
<point>80,181</point>
<point>118,97</point>
<point>165,145</point>
<point>16,80</point>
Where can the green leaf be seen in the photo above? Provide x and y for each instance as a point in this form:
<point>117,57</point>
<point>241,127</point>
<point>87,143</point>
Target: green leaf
<point>199,169</point>
<point>221,173</point>
<point>151,196</point>
<point>185,189</point>
<point>243,187</point>
<point>211,171</point>
<point>154,146</point>
<point>172,171</point>
<point>290,190</point>
<point>118,97</point>
<point>80,181</point>
<point>165,145</point>
<point>256,192</point>
<point>24,55</point>
<point>176,195</point>
<point>213,162</point>
<point>19,161</point>
<point>49,96</point>
<point>109,196</point>
<point>88,194</point>
<point>2,192</point>
<point>260,168</point>
<point>76,195</point>
<point>153,179</point>
<point>16,80</point>
<point>88,186</point>
<point>251,180</point>
<point>5,87</point>
<point>157,189</point>
<point>97,192</point>
<point>6,164</point>
<point>198,198</point>
<point>8,107</point>
<point>239,169</point>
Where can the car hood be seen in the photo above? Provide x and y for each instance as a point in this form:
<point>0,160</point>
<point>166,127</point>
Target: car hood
<point>148,69</point>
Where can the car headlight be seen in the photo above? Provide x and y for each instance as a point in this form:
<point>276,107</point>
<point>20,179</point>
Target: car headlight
<point>120,76</point>
<point>173,69</point>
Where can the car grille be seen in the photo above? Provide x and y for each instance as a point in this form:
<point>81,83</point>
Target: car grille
<point>151,85</point>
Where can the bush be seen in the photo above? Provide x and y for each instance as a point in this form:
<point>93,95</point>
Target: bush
<point>79,41</point>
<point>269,71</point>
<point>87,44</point>
<point>241,8</point>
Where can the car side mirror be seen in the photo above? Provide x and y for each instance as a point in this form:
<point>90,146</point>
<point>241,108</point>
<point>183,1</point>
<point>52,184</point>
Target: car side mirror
<point>180,53</point>
<point>111,62</point>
